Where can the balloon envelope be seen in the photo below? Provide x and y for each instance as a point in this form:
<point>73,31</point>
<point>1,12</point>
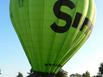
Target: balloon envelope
<point>51,31</point>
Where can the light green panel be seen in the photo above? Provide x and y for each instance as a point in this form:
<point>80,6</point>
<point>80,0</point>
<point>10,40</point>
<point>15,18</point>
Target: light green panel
<point>45,48</point>
<point>81,37</point>
<point>72,33</point>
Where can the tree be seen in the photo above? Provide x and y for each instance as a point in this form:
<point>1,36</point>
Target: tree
<point>0,72</point>
<point>75,75</point>
<point>19,75</point>
<point>100,72</point>
<point>62,73</point>
<point>101,69</point>
<point>87,74</point>
<point>39,74</point>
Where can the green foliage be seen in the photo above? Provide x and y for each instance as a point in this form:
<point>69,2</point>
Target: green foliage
<point>87,74</point>
<point>0,72</point>
<point>75,75</point>
<point>100,72</point>
<point>19,75</point>
<point>61,73</point>
<point>39,74</point>
<point>101,69</point>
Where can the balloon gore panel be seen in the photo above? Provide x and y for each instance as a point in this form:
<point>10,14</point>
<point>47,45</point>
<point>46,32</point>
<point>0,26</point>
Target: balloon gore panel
<point>51,31</point>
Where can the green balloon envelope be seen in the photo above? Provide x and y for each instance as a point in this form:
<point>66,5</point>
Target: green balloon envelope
<point>51,31</point>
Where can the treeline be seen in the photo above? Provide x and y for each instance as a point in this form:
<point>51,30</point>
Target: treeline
<point>0,71</point>
<point>87,74</point>
<point>63,73</point>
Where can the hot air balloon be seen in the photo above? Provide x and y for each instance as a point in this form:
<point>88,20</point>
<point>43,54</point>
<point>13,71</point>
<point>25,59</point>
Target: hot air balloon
<point>52,31</point>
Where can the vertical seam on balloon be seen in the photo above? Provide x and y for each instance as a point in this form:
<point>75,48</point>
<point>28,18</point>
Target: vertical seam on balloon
<point>42,32</point>
<point>66,39</point>
<point>81,41</point>
<point>94,16</point>
<point>79,25</point>
<point>20,2</point>
<point>66,35</point>
<point>60,48</point>
<point>76,44</point>
<point>69,51</point>
<point>51,69</point>
<point>20,38</point>
<point>51,48</point>
<point>26,30</point>
<point>86,15</point>
<point>30,35</point>
<point>37,42</point>
<point>89,16</point>
<point>38,36</point>
<point>22,42</point>
<point>58,53</point>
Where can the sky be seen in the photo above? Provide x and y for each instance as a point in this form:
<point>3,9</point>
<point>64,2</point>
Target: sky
<point>13,59</point>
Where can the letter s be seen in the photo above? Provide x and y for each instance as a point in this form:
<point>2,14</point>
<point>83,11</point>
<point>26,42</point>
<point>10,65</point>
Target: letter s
<point>62,15</point>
